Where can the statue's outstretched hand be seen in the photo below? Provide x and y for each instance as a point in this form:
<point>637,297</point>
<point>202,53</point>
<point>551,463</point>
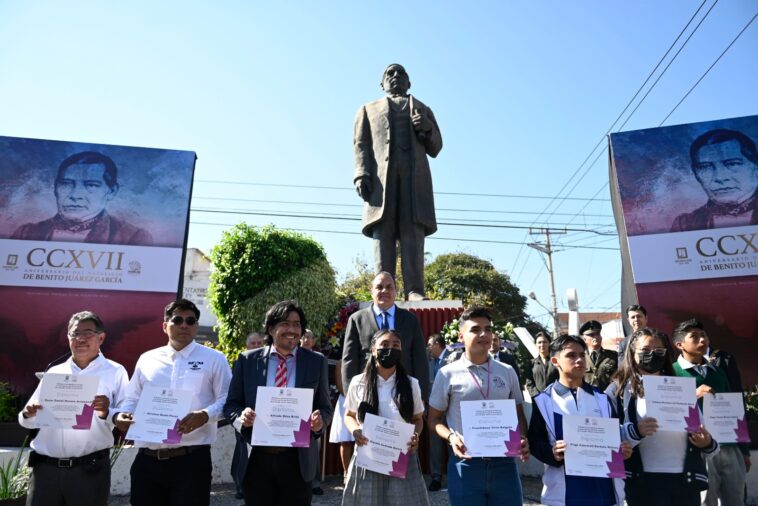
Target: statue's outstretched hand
<point>363,188</point>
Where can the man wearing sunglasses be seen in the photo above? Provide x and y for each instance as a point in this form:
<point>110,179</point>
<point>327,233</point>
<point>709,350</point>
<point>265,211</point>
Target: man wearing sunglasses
<point>601,363</point>
<point>71,466</point>
<point>178,473</point>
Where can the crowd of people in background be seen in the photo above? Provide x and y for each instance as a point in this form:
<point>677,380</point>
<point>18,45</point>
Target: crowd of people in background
<point>387,368</point>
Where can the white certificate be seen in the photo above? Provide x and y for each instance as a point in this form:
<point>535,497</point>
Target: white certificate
<point>282,417</point>
<point>490,428</point>
<point>672,401</point>
<point>387,449</point>
<point>593,446</point>
<point>724,417</point>
<point>158,415</point>
<point>66,401</point>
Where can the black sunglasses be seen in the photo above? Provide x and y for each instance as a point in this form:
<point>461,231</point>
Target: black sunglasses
<point>178,320</point>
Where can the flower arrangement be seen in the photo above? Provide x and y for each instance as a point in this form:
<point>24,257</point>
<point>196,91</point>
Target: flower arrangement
<point>450,331</point>
<point>334,332</point>
<point>504,332</point>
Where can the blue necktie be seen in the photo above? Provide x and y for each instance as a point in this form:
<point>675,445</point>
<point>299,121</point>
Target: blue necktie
<point>385,320</point>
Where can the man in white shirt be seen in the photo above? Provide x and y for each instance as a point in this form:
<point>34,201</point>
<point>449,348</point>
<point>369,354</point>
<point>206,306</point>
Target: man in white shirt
<point>71,466</point>
<point>476,377</point>
<point>178,473</point>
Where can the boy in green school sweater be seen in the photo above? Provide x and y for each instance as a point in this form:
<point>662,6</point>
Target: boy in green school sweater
<point>727,470</point>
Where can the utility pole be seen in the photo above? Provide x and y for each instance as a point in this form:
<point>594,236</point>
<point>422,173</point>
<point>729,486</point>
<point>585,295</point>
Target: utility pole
<point>547,249</point>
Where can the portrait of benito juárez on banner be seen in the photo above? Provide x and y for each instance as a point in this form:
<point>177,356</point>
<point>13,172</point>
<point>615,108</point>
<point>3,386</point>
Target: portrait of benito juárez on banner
<point>84,185</point>
<point>725,163</point>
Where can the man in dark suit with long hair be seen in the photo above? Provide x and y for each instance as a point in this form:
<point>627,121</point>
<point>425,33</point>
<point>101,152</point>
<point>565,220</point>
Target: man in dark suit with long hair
<point>279,475</point>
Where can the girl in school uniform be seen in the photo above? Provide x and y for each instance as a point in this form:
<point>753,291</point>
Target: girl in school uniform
<point>384,389</point>
<point>666,468</point>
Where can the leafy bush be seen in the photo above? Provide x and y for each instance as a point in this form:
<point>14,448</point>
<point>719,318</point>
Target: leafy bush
<point>255,267</point>
<point>475,282</point>
<point>8,403</point>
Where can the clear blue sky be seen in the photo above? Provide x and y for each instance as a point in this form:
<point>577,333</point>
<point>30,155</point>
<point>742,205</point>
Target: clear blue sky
<point>266,93</point>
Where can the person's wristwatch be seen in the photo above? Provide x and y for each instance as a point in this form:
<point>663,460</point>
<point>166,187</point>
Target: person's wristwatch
<point>356,431</point>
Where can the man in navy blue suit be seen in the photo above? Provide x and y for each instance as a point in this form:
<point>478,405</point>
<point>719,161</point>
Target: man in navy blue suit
<point>279,475</point>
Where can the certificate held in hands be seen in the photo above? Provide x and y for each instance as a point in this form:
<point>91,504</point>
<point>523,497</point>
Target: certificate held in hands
<point>158,414</point>
<point>725,418</point>
<point>593,447</point>
<point>66,401</point>
<point>387,449</point>
<point>490,428</point>
<point>672,401</point>
<point>282,417</point>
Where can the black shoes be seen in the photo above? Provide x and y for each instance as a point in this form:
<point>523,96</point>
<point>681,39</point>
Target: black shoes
<point>317,491</point>
<point>434,486</point>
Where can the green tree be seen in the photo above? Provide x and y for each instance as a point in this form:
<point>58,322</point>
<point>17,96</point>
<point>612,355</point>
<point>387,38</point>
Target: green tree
<point>255,267</point>
<point>475,282</point>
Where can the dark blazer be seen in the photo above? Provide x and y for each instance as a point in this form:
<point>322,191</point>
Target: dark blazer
<point>105,230</point>
<point>599,373</point>
<point>540,376</point>
<point>360,329</point>
<point>250,372</point>
<point>702,217</point>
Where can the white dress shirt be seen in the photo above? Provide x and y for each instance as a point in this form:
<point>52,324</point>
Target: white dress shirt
<point>379,317</point>
<point>69,443</point>
<point>202,370</point>
<point>386,390</point>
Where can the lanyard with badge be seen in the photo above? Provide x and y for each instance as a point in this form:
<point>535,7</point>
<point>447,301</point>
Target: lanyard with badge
<point>479,385</point>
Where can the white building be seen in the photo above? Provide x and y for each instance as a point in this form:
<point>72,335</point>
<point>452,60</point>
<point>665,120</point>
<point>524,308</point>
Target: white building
<point>197,277</point>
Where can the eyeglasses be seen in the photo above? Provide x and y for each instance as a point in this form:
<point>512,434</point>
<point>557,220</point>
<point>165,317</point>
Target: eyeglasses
<point>83,335</point>
<point>658,351</point>
<point>178,320</point>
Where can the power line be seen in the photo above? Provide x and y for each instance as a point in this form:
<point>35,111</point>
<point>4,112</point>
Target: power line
<point>311,187</point>
<point>353,218</point>
<point>688,92</point>
<point>642,86</point>
<point>709,69</point>
<point>331,204</point>
<point>336,215</point>
<point>434,238</point>
<point>600,142</point>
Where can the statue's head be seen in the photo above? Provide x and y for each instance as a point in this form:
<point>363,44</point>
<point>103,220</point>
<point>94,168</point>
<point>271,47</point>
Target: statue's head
<point>395,80</point>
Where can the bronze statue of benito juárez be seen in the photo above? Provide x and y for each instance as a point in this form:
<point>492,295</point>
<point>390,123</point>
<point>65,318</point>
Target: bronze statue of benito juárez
<point>392,137</point>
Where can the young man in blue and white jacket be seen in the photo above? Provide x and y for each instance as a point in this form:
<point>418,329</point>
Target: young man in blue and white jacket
<point>571,395</point>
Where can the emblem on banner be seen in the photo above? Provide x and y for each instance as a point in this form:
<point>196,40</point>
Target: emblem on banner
<point>11,262</point>
<point>134,267</point>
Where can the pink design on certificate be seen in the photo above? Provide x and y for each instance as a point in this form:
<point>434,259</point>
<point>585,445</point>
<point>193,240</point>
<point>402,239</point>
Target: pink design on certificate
<point>742,433</point>
<point>400,466</point>
<point>513,443</point>
<point>616,465</point>
<point>693,420</point>
<point>302,436</point>
<point>173,436</point>
<point>84,421</point>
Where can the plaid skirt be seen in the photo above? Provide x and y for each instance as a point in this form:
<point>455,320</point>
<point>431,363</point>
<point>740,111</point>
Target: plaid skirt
<point>367,488</point>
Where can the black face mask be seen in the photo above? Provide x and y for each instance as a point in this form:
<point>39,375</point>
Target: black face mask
<point>388,357</point>
<point>652,361</point>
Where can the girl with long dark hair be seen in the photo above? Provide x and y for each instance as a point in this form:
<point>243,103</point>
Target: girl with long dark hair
<point>666,468</point>
<point>384,389</point>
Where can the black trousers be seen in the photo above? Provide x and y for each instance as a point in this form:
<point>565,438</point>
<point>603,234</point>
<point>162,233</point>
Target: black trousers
<point>88,484</point>
<point>178,481</point>
<point>274,479</point>
<point>660,489</point>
